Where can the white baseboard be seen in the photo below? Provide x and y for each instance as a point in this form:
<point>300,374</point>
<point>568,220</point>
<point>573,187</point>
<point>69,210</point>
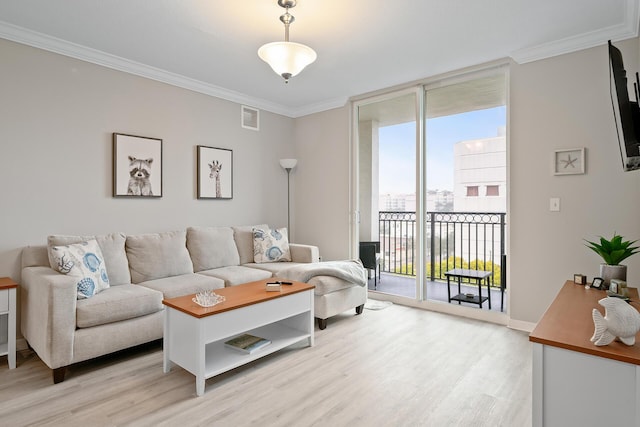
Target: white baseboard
<point>521,325</point>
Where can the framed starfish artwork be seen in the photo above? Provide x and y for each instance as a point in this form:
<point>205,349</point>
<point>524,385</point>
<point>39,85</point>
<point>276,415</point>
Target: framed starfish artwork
<point>568,161</point>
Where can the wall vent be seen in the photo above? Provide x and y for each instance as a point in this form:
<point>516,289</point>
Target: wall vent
<point>250,118</point>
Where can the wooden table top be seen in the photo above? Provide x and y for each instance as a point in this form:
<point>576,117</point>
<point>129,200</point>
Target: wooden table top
<point>237,296</point>
<point>568,324</point>
<point>7,283</point>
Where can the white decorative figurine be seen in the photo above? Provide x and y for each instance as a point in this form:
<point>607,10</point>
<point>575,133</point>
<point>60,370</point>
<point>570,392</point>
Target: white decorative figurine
<point>620,321</point>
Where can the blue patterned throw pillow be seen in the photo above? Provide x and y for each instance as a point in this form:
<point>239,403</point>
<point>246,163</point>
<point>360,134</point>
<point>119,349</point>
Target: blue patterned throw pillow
<point>83,261</point>
<point>270,245</point>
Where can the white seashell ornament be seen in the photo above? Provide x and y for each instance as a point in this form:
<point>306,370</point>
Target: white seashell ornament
<point>620,321</point>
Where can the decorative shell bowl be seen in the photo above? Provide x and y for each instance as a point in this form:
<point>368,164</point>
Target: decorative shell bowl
<point>208,298</point>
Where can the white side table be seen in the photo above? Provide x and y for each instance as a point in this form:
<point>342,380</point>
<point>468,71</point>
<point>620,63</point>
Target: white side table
<point>8,320</point>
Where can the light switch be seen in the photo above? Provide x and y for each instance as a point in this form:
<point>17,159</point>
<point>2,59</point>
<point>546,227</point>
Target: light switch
<point>554,204</point>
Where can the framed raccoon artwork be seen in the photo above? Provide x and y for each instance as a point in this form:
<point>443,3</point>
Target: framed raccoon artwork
<point>137,166</point>
<point>215,173</point>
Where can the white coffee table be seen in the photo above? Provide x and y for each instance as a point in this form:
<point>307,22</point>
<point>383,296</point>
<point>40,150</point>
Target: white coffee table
<point>194,336</point>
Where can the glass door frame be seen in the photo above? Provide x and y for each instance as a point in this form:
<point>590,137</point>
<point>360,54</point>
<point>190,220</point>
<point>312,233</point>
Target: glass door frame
<point>420,89</point>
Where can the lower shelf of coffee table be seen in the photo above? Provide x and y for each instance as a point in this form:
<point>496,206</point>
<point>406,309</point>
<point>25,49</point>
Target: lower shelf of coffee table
<point>219,358</point>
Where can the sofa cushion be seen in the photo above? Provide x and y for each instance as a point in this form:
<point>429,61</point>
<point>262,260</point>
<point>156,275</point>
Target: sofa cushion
<point>212,247</point>
<point>84,262</point>
<point>185,284</point>
<point>112,246</point>
<point>237,274</point>
<point>117,303</point>
<point>159,255</point>
<point>329,284</point>
<point>244,241</point>
<point>270,245</point>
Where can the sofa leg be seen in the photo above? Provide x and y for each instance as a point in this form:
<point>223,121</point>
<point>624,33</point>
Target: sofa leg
<point>58,374</point>
<point>322,323</point>
<point>359,309</point>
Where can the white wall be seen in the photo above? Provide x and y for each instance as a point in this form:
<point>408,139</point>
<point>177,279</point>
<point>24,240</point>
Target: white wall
<point>322,182</point>
<point>57,116</point>
<point>564,102</point>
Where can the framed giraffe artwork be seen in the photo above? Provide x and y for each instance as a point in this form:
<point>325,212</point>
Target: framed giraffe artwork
<point>137,166</point>
<point>215,173</point>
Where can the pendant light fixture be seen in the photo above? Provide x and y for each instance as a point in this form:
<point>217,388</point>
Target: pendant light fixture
<point>287,58</point>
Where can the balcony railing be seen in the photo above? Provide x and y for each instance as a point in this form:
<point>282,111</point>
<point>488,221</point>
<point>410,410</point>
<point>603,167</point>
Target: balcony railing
<point>474,240</point>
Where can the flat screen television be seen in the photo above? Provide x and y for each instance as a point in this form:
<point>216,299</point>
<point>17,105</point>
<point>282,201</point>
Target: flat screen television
<point>625,111</point>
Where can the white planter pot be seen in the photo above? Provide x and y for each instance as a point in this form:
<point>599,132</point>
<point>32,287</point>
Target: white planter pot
<point>608,272</point>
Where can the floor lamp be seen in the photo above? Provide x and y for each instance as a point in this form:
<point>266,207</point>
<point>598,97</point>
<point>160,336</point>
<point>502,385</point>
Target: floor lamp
<point>288,164</point>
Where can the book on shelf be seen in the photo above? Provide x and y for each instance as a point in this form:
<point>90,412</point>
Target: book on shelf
<point>247,343</point>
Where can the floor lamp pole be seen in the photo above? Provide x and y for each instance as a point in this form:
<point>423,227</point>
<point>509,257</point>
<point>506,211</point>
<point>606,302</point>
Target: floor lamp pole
<point>288,165</point>
<point>288,202</point>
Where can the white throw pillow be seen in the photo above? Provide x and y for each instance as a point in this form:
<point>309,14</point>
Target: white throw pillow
<point>85,262</point>
<point>270,245</point>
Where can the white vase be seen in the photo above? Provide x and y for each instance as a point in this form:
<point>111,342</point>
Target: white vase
<point>608,272</point>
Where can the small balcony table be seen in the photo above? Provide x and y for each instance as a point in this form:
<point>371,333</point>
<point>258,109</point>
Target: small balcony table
<point>464,273</point>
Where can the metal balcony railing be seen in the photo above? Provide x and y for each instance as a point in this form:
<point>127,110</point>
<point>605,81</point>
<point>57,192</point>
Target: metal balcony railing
<point>474,240</point>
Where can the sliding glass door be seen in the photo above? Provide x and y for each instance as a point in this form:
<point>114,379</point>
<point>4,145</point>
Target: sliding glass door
<point>388,135</point>
<point>431,185</point>
<point>466,183</point>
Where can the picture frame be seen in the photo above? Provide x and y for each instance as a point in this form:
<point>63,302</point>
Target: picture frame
<point>137,166</point>
<point>570,161</point>
<point>579,279</point>
<point>597,282</point>
<point>214,173</point>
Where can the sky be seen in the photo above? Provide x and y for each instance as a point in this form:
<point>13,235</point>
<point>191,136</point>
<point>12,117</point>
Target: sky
<point>397,148</point>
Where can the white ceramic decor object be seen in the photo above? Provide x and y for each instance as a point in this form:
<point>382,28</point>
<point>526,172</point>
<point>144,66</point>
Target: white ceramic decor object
<point>620,321</point>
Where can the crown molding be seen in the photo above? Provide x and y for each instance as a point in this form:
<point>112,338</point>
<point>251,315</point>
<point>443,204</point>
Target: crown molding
<point>42,41</point>
<point>623,31</point>
<point>320,106</point>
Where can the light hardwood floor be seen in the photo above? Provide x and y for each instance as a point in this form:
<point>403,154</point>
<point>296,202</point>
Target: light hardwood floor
<point>399,366</point>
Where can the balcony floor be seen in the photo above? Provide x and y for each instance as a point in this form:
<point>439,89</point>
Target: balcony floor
<point>405,286</point>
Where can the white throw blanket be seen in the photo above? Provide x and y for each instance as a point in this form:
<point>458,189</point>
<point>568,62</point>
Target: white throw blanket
<point>349,270</point>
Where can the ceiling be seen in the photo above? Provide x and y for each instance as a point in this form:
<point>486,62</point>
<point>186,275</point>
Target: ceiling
<point>363,45</point>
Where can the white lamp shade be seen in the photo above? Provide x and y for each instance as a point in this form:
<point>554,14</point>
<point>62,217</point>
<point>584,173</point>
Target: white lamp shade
<point>288,163</point>
<point>287,57</point>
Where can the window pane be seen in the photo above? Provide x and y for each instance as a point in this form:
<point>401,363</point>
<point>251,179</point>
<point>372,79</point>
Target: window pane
<point>472,191</point>
<point>493,190</point>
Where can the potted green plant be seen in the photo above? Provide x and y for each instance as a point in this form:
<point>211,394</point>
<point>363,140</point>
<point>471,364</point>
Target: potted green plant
<point>613,252</point>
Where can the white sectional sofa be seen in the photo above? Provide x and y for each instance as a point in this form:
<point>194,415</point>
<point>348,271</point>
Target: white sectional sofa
<point>142,270</point>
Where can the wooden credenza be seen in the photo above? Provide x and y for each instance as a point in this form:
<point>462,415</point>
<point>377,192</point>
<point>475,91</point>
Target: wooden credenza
<point>576,383</point>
